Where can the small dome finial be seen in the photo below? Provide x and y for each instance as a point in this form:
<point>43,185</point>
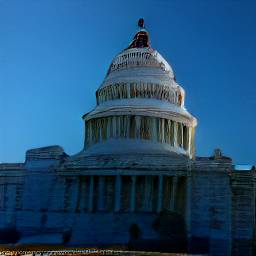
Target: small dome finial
<point>141,23</point>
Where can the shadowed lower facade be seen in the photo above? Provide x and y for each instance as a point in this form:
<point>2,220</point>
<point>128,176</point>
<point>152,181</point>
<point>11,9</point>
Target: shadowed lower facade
<point>137,182</point>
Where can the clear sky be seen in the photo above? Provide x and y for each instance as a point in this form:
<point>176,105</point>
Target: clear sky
<point>54,54</point>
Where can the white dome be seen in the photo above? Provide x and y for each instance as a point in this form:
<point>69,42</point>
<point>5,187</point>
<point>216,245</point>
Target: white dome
<point>140,65</point>
<point>140,100</point>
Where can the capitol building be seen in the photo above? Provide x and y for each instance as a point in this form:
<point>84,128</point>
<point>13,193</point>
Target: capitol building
<point>137,183</point>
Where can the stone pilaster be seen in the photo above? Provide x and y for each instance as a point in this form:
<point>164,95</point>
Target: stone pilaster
<point>147,205</point>
<point>173,193</point>
<point>101,194</point>
<point>160,194</point>
<point>91,194</point>
<point>188,206</point>
<point>133,194</point>
<point>118,189</point>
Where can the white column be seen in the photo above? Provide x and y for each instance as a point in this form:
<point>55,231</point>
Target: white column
<point>160,194</point>
<point>182,142</point>
<point>91,194</point>
<point>137,126</point>
<point>101,194</point>
<point>175,134</point>
<point>133,193</point>
<point>108,127</point>
<point>173,193</point>
<point>128,126</point>
<point>118,188</point>
<point>118,126</point>
<point>189,141</point>
<point>114,126</point>
<point>162,131</point>
<point>154,130</point>
<point>128,90</point>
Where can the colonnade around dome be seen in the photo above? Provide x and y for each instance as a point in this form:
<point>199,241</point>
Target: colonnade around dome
<point>154,129</point>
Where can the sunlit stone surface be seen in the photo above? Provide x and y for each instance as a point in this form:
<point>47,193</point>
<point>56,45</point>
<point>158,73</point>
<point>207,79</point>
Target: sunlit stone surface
<point>137,182</point>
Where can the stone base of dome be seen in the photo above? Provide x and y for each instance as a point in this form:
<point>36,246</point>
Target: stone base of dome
<point>138,146</point>
<point>129,154</point>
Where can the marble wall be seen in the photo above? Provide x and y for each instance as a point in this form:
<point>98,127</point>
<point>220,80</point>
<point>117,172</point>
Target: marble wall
<point>208,208</point>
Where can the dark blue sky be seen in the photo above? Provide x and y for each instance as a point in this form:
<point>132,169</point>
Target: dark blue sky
<point>55,53</point>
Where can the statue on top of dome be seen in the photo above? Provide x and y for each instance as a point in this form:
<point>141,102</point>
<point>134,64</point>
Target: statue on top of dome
<point>141,23</point>
<point>141,38</point>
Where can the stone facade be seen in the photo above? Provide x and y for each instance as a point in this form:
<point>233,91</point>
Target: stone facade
<point>137,183</point>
